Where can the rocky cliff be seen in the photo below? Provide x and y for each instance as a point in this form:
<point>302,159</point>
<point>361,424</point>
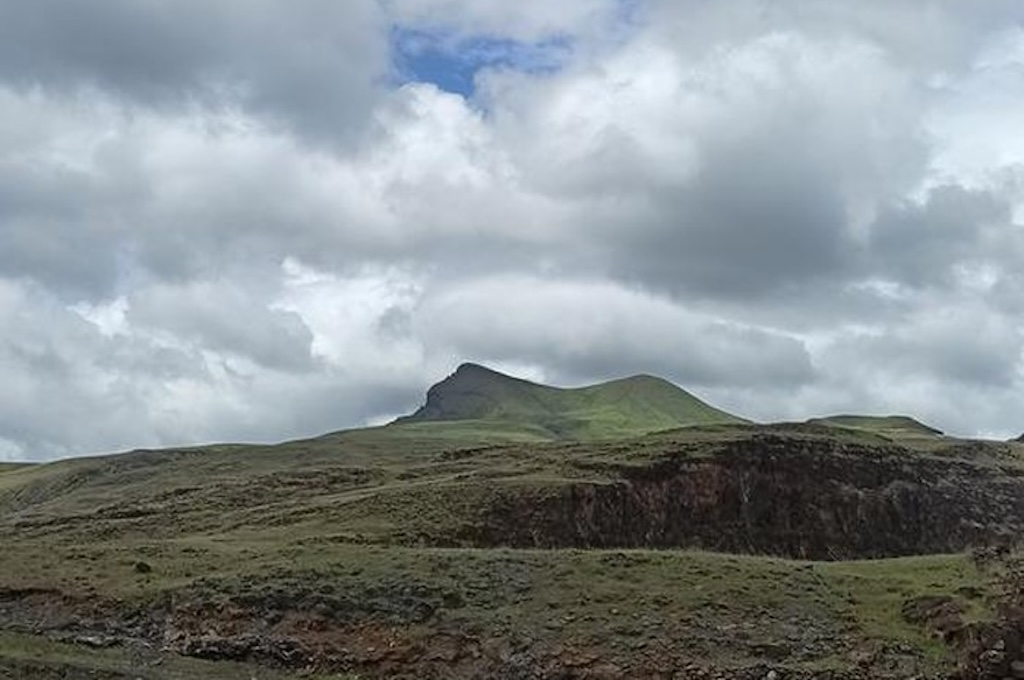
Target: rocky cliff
<point>814,499</point>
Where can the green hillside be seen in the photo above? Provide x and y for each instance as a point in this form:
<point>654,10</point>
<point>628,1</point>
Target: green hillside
<point>480,399</point>
<point>889,425</point>
<point>510,529</point>
<point>319,554</point>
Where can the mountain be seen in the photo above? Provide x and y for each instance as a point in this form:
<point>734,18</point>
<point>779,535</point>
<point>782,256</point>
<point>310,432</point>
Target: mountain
<point>891,425</point>
<point>631,406</point>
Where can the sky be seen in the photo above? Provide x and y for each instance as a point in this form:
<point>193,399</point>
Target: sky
<point>253,220</point>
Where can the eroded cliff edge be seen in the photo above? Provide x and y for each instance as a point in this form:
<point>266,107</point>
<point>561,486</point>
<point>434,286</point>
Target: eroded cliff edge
<point>773,495</point>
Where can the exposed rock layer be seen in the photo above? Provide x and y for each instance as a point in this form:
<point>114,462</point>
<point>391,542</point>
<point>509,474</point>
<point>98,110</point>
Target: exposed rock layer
<point>812,499</point>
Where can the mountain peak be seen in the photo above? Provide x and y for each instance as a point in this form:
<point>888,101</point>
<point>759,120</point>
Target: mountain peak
<point>470,370</point>
<point>627,406</point>
<point>470,367</point>
<point>472,392</point>
<point>643,379</point>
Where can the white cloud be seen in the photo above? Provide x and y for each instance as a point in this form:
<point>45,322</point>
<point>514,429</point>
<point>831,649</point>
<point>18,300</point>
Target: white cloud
<point>525,21</point>
<point>975,114</point>
<point>359,316</point>
<point>586,329</point>
<point>244,231</point>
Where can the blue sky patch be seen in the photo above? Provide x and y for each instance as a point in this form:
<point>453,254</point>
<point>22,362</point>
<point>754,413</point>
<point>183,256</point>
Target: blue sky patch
<point>451,61</point>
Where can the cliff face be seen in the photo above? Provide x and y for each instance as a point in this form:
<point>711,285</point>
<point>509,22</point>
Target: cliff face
<point>768,495</point>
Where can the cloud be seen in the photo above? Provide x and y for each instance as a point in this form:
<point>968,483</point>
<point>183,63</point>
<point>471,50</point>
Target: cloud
<point>260,220</point>
<point>310,66</point>
<point>974,117</point>
<point>945,237</point>
<point>518,21</point>
<point>956,365</point>
<point>557,324</point>
<point>170,367</point>
<point>228,319</point>
<point>720,176</point>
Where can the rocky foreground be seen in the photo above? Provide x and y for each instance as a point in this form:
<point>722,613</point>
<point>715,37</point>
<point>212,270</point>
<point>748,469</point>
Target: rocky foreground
<point>399,634</point>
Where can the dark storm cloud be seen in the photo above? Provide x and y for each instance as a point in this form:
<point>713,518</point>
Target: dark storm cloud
<point>310,65</point>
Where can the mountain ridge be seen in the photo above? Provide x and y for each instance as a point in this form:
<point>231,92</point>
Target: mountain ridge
<point>633,405</point>
<point>893,423</point>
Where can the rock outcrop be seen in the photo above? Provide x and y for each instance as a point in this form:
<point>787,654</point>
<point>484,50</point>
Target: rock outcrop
<point>772,495</point>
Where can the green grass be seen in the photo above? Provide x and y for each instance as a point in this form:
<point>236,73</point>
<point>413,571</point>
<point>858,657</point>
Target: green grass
<point>320,517</point>
<point>893,425</point>
<point>724,609</point>
<point>369,485</point>
<point>877,590</point>
<point>331,523</point>
<point>219,486</point>
<point>615,409</point>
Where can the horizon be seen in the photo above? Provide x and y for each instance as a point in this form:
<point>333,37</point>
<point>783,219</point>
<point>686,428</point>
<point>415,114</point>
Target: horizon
<point>807,419</point>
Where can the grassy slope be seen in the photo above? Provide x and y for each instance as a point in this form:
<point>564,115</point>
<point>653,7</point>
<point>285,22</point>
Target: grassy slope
<point>898,426</point>
<point>292,517</point>
<point>619,408</point>
<point>320,484</point>
<point>639,405</point>
<point>6,468</point>
<point>717,608</point>
<point>373,483</point>
<point>295,517</point>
